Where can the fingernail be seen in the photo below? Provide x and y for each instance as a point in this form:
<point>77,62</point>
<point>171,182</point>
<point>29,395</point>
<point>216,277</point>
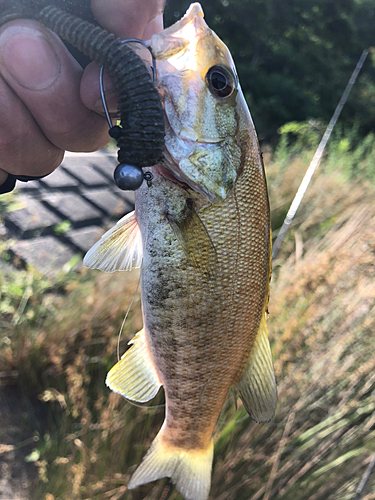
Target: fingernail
<point>28,57</point>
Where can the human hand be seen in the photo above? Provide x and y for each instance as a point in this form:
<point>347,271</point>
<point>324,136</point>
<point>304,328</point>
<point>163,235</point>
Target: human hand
<point>48,104</point>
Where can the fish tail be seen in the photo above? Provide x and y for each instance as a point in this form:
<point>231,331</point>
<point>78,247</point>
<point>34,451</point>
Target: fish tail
<point>189,470</point>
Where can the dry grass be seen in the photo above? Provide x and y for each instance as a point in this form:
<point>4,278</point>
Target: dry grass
<point>322,324</point>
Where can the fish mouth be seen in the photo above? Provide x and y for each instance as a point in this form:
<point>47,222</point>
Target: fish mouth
<point>193,11</point>
<point>168,167</point>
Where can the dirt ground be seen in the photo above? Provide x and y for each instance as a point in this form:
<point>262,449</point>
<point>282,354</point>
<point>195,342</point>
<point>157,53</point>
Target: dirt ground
<point>16,442</point>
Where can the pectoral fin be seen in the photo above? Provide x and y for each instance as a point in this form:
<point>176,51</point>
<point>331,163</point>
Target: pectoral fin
<point>134,376</point>
<point>257,385</point>
<point>195,240</point>
<point>119,249</point>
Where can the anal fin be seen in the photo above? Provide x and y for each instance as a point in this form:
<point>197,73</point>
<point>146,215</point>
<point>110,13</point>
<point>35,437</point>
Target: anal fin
<point>135,376</point>
<point>257,385</point>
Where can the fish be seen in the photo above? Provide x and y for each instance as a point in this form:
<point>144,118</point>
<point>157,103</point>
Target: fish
<point>201,235</point>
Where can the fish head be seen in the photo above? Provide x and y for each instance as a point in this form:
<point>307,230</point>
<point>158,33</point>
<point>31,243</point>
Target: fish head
<point>208,124</point>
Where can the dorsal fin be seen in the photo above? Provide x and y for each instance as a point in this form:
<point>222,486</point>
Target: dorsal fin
<point>119,249</point>
<point>257,385</point>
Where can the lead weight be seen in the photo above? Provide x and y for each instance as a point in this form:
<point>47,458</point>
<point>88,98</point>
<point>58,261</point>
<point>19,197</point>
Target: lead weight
<point>128,177</point>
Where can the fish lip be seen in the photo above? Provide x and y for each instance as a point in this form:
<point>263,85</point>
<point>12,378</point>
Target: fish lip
<point>186,139</point>
<point>165,170</point>
<point>194,10</point>
<point>211,141</point>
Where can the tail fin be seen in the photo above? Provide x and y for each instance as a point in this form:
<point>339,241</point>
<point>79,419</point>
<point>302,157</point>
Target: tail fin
<point>189,470</point>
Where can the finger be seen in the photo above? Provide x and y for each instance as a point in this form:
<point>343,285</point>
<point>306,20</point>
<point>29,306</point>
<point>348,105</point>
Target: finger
<point>90,83</point>
<point>90,90</point>
<point>24,149</point>
<point>40,70</point>
<point>127,19</point>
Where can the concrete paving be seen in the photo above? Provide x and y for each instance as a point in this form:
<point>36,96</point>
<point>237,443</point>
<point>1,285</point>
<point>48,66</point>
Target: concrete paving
<point>65,213</point>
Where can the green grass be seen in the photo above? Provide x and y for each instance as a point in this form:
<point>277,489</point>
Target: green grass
<point>59,337</point>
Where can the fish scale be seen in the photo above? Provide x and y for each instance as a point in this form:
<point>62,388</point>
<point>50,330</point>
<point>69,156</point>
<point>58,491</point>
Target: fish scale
<point>204,221</point>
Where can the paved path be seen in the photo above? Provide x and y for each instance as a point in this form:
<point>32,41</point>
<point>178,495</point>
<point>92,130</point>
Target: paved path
<point>64,214</point>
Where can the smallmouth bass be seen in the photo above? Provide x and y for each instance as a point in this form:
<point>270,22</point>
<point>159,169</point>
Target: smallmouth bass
<point>201,234</point>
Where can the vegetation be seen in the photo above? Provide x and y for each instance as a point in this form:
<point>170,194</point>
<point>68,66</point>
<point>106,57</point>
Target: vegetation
<point>59,336</point>
<point>295,57</point>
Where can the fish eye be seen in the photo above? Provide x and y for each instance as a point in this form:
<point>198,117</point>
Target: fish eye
<point>220,81</point>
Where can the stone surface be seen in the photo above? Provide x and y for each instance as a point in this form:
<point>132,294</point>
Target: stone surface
<point>107,201</point>
<point>28,186</point>
<point>85,237</point>
<point>83,170</point>
<point>59,179</point>
<point>106,164</point>
<point>74,208</point>
<point>46,254</point>
<point>126,195</point>
<point>32,217</point>
<point>81,193</point>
